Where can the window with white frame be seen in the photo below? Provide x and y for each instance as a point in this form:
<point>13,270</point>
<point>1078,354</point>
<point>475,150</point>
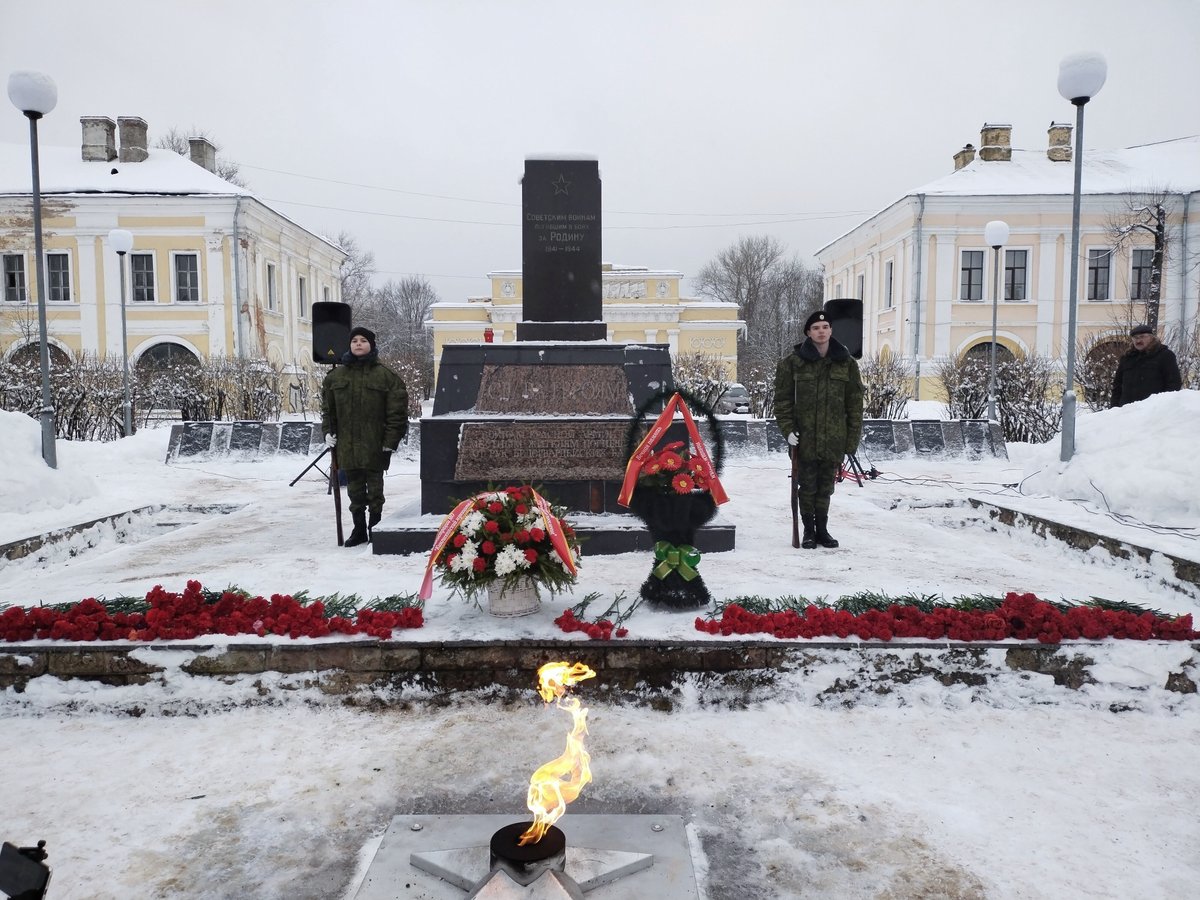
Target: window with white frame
<point>971,276</point>
<point>1016,275</point>
<point>837,289</point>
<point>888,284</point>
<point>58,277</point>
<point>1099,272</point>
<point>14,278</point>
<point>1139,282</point>
<point>325,293</point>
<point>271,300</point>
<point>862,282</point>
<point>302,296</point>
<point>187,277</point>
<point>141,267</point>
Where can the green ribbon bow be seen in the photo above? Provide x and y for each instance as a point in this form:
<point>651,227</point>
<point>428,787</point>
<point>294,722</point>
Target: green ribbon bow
<point>683,558</point>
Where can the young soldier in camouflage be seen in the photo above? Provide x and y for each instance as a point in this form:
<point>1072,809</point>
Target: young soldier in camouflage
<point>819,408</point>
<point>364,413</point>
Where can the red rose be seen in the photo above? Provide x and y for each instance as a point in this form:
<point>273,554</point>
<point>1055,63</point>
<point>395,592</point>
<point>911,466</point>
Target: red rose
<point>531,555</point>
<point>522,509</point>
<point>537,535</point>
<point>495,507</point>
<point>479,564</point>
<point>491,527</point>
<point>488,547</point>
<point>460,539</point>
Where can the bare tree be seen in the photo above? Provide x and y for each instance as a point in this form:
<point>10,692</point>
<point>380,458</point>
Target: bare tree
<point>1144,216</point>
<point>397,313</point>
<point>356,270</point>
<point>773,294</point>
<point>177,141</point>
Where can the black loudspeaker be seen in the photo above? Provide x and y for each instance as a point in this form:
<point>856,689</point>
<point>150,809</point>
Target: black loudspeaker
<point>331,331</point>
<point>846,318</point>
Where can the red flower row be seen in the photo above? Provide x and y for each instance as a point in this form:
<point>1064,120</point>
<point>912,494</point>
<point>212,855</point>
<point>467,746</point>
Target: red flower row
<point>600,630</point>
<point>1021,616</point>
<point>188,615</point>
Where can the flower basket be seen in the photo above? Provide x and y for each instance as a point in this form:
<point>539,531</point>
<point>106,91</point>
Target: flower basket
<point>511,600</point>
<point>675,490</point>
<point>505,545</point>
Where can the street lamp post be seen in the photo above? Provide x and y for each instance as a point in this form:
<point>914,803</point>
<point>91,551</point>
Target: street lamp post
<point>35,95</point>
<point>122,242</point>
<point>996,234</point>
<point>1080,77</point>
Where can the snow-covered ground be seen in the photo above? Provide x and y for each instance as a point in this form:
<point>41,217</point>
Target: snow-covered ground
<point>1019,790</point>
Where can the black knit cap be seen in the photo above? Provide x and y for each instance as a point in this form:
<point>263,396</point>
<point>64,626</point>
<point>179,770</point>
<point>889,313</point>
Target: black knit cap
<point>358,330</point>
<point>818,316</point>
<point>1141,329</point>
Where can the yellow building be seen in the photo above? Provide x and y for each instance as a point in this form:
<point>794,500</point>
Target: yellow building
<point>925,273</point>
<point>213,270</point>
<point>640,305</point>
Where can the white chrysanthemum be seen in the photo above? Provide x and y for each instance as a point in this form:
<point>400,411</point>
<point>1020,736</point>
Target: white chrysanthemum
<point>460,563</point>
<point>498,496</point>
<point>508,560</point>
<point>530,518</point>
<point>558,559</point>
<point>472,523</point>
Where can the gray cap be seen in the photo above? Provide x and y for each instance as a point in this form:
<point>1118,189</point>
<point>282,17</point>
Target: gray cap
<point>1141,329</point>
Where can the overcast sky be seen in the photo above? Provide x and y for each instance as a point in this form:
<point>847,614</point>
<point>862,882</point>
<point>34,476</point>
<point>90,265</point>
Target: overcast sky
<point>407,123</point>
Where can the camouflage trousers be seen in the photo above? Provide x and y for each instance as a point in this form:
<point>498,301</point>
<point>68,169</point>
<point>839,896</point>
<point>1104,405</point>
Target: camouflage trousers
<point>814,486</point>
<point>365,489</point>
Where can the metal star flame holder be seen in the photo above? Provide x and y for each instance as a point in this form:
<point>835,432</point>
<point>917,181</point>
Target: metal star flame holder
<point>533,861</point>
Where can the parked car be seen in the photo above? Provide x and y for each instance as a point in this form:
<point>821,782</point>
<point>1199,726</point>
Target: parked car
<point>735,400</point>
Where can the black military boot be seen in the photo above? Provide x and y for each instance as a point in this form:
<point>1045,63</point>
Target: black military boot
<point>372,521</point>
<point>359,534</point>
<point>823,536</point>
<point>809,541</point>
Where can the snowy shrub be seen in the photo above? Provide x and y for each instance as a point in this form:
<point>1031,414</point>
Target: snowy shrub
<point>1028,394</point>
<point>702,375</point>
<point>886,387</point>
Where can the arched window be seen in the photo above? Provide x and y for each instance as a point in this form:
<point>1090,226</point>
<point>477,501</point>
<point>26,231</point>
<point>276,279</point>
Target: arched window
<point>167,355</point>
<point>983,352</point>
<point>30,355</point>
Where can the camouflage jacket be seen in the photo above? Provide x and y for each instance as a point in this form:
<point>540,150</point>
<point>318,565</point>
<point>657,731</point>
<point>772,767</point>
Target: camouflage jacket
<point>365,404</point>
<point>821,399</point>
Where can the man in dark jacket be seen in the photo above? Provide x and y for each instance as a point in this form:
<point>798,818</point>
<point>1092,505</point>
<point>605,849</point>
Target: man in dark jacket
<point>1149,367</point>
<point>364,414</point>
<point>819,408</point>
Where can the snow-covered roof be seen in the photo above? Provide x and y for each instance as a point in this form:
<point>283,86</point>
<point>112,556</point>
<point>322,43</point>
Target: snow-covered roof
<point>1172,165</point>
<point>63,171</point>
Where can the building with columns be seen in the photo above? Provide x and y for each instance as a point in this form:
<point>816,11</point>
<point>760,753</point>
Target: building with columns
<point>925,274</point>
<point>640,305</point>
<point>213,271</point>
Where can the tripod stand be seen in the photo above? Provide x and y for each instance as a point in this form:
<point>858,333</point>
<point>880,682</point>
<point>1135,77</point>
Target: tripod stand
<point>852,468</point>
<point>333,477</point>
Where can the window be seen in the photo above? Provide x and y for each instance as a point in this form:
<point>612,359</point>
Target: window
<point>1139,284</point>
<point>888,269</point>
<point>14,278</point>
<point>861,286</point>
<point>971,283</point>
<point>270,285</point>
<point>837,289</point>
<point>325,293</point>
<point>1016,267</point>
<point>142,267</point>
<point>58,277</point>
<point>187,278</point>
<point>302,296</point>
<point>1098,266</point>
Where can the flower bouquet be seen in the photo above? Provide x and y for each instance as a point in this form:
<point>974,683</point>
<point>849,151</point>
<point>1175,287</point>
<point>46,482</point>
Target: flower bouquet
<point>675,490</point>
<point>505,544</point>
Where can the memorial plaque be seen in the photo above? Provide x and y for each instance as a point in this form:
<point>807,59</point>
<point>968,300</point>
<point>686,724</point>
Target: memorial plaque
<point>927,436</point>
<point>541,451</point>
<point>952,437</point>
<point>295,437</point>
<point>197,438</point>
<point>554,390</point>
<point>246,437</point>
<point>878,437</point>
<point>560,251</point>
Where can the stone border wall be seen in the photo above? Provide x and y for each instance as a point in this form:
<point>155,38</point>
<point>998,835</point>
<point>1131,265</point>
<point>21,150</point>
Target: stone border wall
<point>631,668</point>
<point>882,438</point>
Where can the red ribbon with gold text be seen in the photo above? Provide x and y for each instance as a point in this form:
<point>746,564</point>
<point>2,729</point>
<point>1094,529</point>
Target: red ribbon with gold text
<point>650,441</point>
<point>450,525</point>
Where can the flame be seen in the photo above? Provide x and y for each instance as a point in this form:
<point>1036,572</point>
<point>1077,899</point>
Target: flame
<point>559,781</point>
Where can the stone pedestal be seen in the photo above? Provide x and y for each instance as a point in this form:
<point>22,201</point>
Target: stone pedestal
<point>551,415</point>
